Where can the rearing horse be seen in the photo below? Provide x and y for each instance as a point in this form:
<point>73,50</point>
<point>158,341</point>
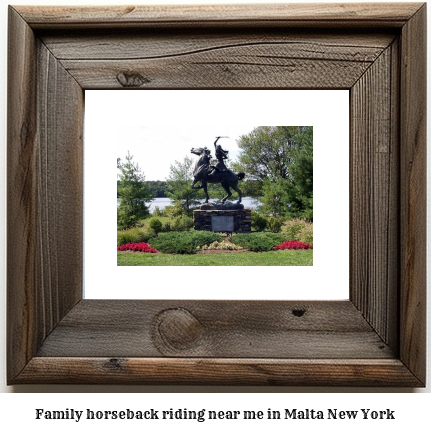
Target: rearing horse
<point>228,179</point>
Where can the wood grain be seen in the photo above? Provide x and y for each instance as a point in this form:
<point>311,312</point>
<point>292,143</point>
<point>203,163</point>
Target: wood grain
<point>197,371</point>
<point>141,44</point>
<point>59,240</point>
<point>45,105</point>
<point>241,329</point>
<point>374,195</point>
<point>270,66</point>
<point>253,15</point>
<point>21,194</point>
<point>413,194</point>
<point>212,60</point>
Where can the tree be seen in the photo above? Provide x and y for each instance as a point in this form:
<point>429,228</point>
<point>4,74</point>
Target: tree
<point>280,160</point>
<point>133,192</point>
<point>275,197</point>
<point>300,188</point>
<point>266,152</point>
<point>179,181</point>
<point>157,188</point>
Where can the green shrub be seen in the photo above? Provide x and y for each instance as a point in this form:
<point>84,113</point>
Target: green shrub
<point>159,213</point>
<point>258,222</point>
<point>140,223</point>
<point>185,242</point>
<point>181,223</point>
<point>175,210</point>
<point>124,237</point>
<point>156,225</point>
<point>167,227</point>
<point>274,224</point>
<point>306,235</point>
<point>134,235</point>
<point>298,229</point>
<point>293,228</point>
<point>258,242</point>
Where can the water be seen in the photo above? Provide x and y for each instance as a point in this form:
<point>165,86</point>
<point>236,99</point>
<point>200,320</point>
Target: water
<point>161,203</point>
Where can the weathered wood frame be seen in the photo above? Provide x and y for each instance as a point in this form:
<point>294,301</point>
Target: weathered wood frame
<point>376,338</point>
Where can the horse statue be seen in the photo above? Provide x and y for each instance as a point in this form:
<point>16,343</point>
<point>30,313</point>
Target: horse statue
<point>208,171</point>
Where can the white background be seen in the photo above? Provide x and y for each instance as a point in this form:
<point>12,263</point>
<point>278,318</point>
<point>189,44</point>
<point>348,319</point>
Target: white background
<point>17,410</point>
<point>114,118</point>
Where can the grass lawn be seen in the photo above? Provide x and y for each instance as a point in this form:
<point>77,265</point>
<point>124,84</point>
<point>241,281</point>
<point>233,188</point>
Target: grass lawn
<point>273,258</point>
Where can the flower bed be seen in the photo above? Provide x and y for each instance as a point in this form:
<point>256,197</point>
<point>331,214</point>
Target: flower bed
<point>220,245</point>
<point>136,247</point>
<point>292,244</point>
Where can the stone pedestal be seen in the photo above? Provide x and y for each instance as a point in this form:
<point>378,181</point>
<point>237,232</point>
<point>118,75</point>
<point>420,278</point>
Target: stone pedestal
<point>236,220</point>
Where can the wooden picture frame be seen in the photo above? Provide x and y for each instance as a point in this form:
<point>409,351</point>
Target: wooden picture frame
<point>376,338</point>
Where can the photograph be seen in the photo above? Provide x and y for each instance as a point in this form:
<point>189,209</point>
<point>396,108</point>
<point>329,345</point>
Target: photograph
<point>245,199</point>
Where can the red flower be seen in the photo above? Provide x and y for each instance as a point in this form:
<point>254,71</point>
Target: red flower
<point>292,244</point>
<point>136,247</point>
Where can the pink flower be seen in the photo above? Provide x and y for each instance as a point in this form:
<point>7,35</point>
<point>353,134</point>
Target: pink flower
<point>136,247</point>
<point>292,244</point>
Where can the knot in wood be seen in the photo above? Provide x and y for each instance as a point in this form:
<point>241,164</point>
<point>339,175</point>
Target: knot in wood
<point>178,329</point>
<point>131,79</point>
<point>298,312</point>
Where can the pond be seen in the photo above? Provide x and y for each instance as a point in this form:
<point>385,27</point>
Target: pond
<point>161,203</point>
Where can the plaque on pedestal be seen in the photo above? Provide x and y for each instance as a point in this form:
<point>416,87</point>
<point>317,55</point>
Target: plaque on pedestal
<point>222,223</point>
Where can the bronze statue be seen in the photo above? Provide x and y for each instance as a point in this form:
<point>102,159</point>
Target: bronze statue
<point>208,171</point>
<point>220,155</point>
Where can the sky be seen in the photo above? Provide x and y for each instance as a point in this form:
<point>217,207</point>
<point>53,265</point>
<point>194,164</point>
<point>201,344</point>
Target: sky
<point>155,148</point>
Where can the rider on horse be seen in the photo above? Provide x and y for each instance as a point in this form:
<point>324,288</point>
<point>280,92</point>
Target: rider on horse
<point>220,155</point>
<point>206,171</point>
